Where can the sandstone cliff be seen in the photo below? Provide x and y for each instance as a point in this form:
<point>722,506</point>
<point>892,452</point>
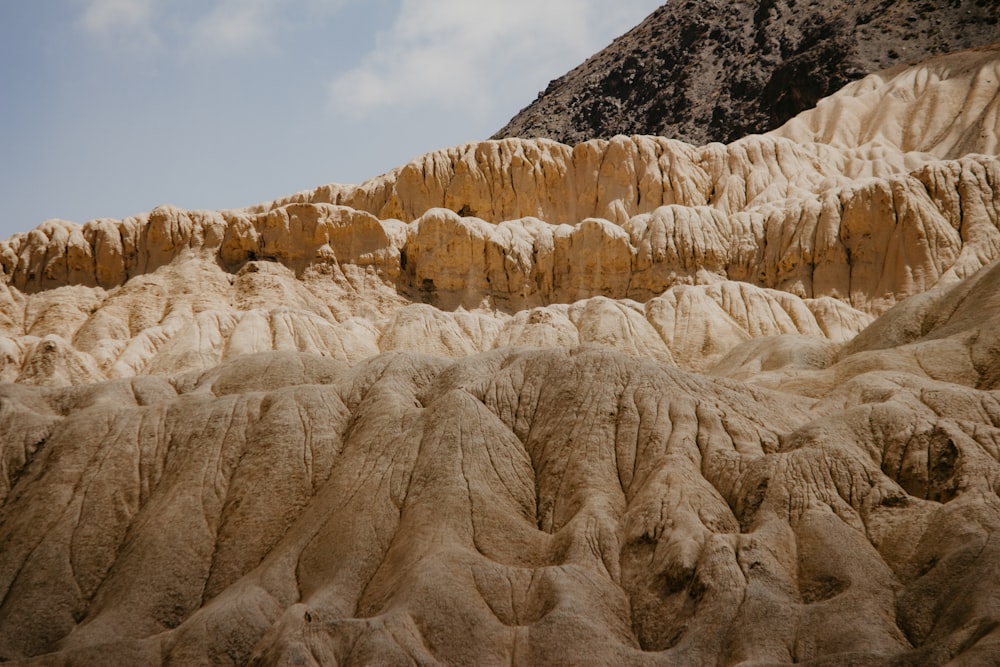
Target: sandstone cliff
<point>628,402</point>
<point>716,70</point>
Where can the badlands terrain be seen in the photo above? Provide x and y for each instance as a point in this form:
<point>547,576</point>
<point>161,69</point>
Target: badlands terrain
<point>632,401</point>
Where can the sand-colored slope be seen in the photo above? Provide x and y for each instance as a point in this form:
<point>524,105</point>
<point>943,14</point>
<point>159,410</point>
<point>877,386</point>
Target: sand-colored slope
<point>540,506</point>
<point>629,402</point>
<point>946,106</point>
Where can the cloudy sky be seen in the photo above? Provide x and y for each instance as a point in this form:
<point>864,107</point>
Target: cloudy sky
<point>112,107</point>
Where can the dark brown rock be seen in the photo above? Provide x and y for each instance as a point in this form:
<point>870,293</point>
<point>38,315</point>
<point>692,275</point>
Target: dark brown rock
<point>716,70</point>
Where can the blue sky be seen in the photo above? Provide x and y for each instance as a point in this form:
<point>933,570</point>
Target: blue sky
<point>111,107</point>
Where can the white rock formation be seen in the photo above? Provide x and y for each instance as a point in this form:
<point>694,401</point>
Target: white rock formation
<point>946,106</point>
<point>117,295</point>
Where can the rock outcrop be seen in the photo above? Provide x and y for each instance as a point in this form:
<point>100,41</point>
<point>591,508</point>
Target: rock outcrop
<point>516,402</point>
<point>715,70</point>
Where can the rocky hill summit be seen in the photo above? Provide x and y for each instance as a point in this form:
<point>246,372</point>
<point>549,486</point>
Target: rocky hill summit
<point>718,70</point>
<point>632,401</point>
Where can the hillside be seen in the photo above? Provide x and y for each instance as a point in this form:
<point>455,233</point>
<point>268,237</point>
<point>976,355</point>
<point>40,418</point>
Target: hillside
<point>715,70</point>
<point>633,401</point>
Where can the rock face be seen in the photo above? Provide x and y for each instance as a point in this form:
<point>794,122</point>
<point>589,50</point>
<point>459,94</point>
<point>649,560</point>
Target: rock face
<point>628,402</point>
<point>716,70</point>
<point>534,506</point>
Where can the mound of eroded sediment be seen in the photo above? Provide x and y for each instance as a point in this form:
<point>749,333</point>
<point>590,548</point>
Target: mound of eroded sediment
<point>628,402</point>
<point>553,507</point>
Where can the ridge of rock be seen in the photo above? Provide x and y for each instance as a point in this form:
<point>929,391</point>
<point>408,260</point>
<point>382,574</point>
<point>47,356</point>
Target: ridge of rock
<point>329,271</point>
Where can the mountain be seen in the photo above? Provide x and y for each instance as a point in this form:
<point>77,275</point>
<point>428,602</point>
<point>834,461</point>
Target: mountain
<point>716,70</point>
<point>632,401</point>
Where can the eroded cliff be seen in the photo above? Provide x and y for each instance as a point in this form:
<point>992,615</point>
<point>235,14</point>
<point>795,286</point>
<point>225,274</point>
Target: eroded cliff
<point>629,402</point>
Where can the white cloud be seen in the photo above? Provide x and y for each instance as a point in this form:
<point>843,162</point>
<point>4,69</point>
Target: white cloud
<point>208,27</point>
<point>127,22</point>
<point>237,26</point>
<point>102,16</point>
<point>471,53</point>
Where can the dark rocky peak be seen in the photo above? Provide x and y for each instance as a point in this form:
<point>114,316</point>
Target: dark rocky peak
<point>716,70</point>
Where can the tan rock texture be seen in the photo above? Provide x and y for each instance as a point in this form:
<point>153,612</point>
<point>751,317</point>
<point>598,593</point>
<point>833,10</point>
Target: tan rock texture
<point>543,506</point>
<point>947,106</point>
<point>628,402</point>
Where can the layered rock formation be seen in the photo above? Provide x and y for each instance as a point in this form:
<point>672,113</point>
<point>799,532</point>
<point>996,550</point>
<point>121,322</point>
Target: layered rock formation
<point>715,70</point>
<point>628,402</point>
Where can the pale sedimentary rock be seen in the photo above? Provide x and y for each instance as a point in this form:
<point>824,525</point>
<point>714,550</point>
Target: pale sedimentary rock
<point>629,402</point>
<point>113,292</point>
<point>946,106</point>
<point>543,506</point>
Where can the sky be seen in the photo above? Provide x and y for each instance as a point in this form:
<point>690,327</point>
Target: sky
<point>109,108</point>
